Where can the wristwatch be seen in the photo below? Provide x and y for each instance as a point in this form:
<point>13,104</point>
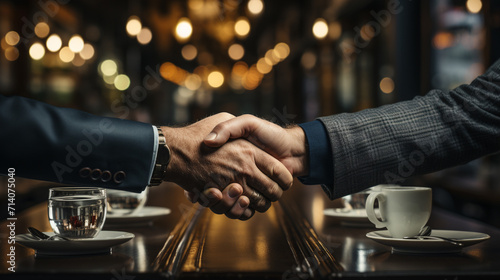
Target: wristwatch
<point>162,160</point>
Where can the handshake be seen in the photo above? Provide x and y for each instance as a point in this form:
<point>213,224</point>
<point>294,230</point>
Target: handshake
<point>235,165</point>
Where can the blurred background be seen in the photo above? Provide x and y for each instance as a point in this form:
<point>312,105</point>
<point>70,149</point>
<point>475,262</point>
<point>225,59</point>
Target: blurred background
<point>175,62</point>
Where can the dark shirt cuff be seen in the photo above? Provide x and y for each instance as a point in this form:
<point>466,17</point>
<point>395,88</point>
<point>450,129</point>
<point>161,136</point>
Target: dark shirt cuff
<point>320,154</point>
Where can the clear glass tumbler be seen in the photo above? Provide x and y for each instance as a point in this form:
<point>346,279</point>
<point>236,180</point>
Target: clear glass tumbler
<point>77,212</point>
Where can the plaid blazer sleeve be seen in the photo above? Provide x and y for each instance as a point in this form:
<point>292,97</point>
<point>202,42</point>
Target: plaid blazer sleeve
<point>442,129</point>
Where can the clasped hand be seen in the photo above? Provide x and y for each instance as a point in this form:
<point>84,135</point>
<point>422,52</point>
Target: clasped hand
<point>235,165</point>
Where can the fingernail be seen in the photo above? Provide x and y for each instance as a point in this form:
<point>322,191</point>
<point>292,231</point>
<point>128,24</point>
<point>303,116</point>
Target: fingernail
<point>243,203</point>
<point>211,136</point>
<point>211,195</point>
<point>233,192</point>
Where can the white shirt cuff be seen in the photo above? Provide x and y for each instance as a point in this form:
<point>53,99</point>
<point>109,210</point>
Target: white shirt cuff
<point>155,152</point>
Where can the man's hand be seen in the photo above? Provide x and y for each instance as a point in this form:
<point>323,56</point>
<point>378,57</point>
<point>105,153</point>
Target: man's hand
<point>205,172</point>
<point>286,145</point>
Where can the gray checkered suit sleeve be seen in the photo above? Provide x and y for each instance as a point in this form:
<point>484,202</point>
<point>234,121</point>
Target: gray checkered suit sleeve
<point>388,144</point>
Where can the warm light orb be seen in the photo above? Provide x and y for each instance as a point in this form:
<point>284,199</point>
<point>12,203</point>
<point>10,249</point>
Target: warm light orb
<point>282,50</point>
<point>37,51</point>
<point>193,82</point>
<point>184,29</point>
<point>133,26</point>
<point>12,38</point>
<point>264,66</point>
<point>11,53</point>
<point>145,36</point>
<point>255,6</point>
<point>242,27</point>
<point>387,85</point>
<point>54,43</point>
<point>189,52</point>
<point>320,28</point>
<point>236,51</point>
<point>109,67</point>
<point>66,55</point>
<point>122,82</point>
<point>474,6</point>
<point>87,52</point>
<point>215,79</point>
<point>76,44</point>
<point>42,29</point>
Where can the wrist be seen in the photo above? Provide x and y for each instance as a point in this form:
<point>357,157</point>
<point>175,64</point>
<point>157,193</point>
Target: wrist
<point>177,148</point>
<point>299,151</point>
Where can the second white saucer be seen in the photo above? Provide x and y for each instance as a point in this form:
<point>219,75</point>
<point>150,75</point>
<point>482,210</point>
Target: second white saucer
<point>400,245</point>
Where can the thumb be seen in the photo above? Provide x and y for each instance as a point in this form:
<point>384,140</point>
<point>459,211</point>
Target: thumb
<point>239,127</point>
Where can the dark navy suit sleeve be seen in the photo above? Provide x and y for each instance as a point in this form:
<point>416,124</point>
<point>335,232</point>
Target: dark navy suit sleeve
<point>72,147</point>
<point>320,155</point>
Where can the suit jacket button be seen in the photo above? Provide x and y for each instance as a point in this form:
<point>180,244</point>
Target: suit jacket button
<point>119,177</point>
<point>106,176</point>
<point>96,174</point>
<point>85,172</point>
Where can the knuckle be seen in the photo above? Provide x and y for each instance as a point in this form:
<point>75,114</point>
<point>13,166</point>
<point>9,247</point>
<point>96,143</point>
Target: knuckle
<point>225,115</point>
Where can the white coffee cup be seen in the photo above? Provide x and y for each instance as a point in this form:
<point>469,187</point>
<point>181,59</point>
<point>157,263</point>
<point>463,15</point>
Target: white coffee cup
<point>403,210</point>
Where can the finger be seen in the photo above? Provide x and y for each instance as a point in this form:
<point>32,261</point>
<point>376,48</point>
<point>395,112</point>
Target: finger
<point>190,196</point>
<point>238,208</point>
<point>230,196</point>
<point>260,181</point>
<point>274,169</point>
<point>239,127</point>
<point>257,201</point>
<point>249,212</point>
<point>209,197</point>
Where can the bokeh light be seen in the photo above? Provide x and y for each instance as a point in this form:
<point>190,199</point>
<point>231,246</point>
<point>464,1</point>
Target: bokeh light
<point>87,52</point>
<point>308,60</point>
<point>215,79</point>
<point>145,36</point>
<point>42,30</point>
<point>272,56</point>
<point>66,54</point>
<point>109,67</point>
<point>474,6</point>
<point>133,26</point>
<point>320,28</point>
<point>54,43</point>
<point>11,53</point>
<point>76,44</point>
<point>282,50</point>
<point>387,85</point>
<point>12,38</point>
<point>189,52</point>
<point>335,30</point>
<point>78,60</point>
<point>184,29</point>
<point>122,82</point>
<point>264,66</point>
<point>255,6</point>
<point>37,51</point>
<point>242,27</point>
<point>193,82</point>
<point>236,51</point>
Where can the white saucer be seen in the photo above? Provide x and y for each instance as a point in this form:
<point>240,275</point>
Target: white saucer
<point>349,217</point>
<point>418,246</point>
<point>145,215</point>
<point>100,244</point>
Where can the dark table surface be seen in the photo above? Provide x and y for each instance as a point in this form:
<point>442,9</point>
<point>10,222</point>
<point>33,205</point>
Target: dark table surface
<point>293,240</point>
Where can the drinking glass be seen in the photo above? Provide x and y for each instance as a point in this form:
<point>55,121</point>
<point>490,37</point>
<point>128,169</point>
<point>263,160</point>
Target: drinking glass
<point>77,212</point>
<point>125,203</point>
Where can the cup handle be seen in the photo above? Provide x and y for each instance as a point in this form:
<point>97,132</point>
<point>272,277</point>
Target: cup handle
<point>370,210</point>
